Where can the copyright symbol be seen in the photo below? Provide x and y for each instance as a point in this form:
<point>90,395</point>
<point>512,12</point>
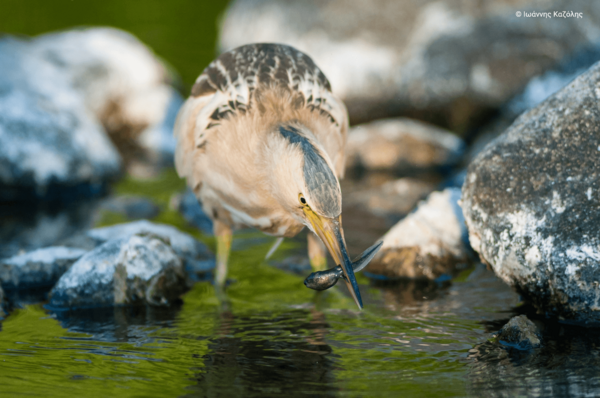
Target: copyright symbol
<point>518,13</point>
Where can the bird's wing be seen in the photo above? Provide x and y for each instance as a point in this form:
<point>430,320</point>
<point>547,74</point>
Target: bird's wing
<point>229,84</point>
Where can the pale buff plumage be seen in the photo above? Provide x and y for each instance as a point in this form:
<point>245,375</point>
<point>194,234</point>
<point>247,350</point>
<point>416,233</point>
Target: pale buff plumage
<point>259,142</point>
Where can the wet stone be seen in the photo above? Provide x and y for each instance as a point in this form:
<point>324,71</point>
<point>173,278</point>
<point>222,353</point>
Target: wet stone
<point>139,269</point>
<point>401,145</point>
<point>519,333</point>
<point>428,243</point>
<point>531,203</point>
<point>39,268</point>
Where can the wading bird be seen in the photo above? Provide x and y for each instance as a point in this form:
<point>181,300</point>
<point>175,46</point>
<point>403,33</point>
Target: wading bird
<point>261,143</point>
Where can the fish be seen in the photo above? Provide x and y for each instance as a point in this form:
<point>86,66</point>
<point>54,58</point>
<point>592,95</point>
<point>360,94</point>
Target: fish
<point>323,280</point>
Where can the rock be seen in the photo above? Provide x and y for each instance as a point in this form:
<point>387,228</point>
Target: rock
<point>195,256</point>
<point>427,243</point>
<point>396,197</point>
<point>446,62</point>
<point>131,207</point>
<point>190,208</point>
<point>38,268</point>
<point>519,333</point>
<point>48,138</point>
<point>531,203</point>
<point>138,269</point>
<point>123,83</point>
<point>401,144</point>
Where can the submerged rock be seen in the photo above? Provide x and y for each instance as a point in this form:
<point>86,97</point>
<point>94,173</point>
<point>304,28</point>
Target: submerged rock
<point>427,243</point>
<point>401,144</point>
<point>122,82</point>
<point>48,138</point>
<point>519,333</point>
<point>141,268</point>
<point>438,60</point>
<point>531,202</point>
<point>42,267</point>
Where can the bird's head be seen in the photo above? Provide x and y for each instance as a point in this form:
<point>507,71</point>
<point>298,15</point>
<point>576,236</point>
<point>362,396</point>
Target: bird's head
<point>308,188</point>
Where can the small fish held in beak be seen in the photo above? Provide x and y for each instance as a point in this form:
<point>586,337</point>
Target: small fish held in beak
<point>323,280</point>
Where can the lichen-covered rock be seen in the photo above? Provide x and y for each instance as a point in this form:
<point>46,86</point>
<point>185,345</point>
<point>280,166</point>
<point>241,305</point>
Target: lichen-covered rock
<point>401,144</point>
<point>427,243</point>
<point>38,268</point>
<point>141,268</point>
<point>446,60</point>
<point>48,137</point>
<point>531,202</point>
<point>122,82</point>
<point>519,333</point>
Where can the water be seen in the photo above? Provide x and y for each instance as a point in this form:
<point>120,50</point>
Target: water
<point>270,336</point>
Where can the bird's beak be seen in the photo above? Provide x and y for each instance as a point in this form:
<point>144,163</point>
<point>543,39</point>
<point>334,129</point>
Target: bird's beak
<point>330,232</point>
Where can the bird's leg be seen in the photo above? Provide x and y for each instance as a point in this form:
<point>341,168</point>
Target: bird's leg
<point>316,253</point>
<point>223,233</point>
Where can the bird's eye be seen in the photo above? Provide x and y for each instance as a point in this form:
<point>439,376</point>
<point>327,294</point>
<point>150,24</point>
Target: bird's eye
<point>302,200</point>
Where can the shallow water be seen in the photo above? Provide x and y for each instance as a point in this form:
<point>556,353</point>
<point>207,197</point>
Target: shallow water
<point>271,336</point>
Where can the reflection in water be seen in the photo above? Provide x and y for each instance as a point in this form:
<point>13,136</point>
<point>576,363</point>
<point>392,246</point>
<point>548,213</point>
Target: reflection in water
<point>567,364</point>
<point>118,324</point>
<point>26,226</point>
<point>264,355</point>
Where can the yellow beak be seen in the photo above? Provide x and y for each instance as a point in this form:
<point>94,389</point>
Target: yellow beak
<point>330,232</point>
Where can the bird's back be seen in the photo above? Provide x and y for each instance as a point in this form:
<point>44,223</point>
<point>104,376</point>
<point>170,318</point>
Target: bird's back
<point>242,93</point>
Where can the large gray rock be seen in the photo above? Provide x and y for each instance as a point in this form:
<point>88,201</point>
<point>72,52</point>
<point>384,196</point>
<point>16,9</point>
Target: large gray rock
<point>141,268</point>
<point>401,145</point>
<point>47,135</point>
<point>531,202</point>
<point>386,57</point>
<point>122,82</point>
<point>427,243</point>
<point>38,268</point>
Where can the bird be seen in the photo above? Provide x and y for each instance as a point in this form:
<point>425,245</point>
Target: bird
<point>260,142</point>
